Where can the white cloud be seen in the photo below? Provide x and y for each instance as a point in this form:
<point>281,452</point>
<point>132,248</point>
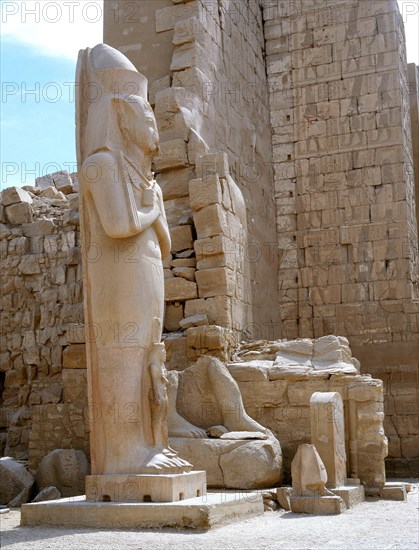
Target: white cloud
<point>57,28</point>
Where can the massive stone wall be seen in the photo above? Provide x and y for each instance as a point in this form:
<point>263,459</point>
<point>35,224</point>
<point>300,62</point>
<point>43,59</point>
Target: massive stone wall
<point>209,99</point>
<point>344,189</point>
<point>344,200</point>
<point>41,313</point>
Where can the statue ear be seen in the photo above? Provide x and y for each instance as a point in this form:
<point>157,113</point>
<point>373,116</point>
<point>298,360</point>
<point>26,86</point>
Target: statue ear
<point>121,108</point>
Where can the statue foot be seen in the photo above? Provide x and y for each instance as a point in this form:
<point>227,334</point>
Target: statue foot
<point>166,462</point>
<point>179,427</point>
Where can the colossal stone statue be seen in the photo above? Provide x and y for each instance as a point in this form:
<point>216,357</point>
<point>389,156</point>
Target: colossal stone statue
<point>125,236</point>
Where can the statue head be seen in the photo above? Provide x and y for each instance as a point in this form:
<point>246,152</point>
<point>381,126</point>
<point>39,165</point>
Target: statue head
<point>119,115</point>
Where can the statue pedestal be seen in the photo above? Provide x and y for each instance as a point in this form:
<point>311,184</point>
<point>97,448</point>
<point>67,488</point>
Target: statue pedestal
<point>195,513</point>
<point>145,487</point>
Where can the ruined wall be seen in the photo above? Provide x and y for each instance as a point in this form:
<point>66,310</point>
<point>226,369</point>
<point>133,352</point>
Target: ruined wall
<point>41,311</point>
<point>344,190</point>
<point>211,100</point>
<point>413,76</point>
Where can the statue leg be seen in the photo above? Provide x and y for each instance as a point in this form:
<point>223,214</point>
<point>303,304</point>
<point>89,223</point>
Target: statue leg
<point>225,388</point>
<point>178,426</point>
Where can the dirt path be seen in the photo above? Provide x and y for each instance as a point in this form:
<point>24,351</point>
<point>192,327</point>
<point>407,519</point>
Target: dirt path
<point>373,525</point>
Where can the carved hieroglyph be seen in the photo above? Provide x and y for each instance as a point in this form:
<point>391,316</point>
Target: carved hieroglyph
<point>125,236</point>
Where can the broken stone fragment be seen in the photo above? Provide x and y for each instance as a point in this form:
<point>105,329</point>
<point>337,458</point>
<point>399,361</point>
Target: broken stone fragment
<point>15,195</point>
<point>216,431</point>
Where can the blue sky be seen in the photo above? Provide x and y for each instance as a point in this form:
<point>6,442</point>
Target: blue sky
<point>38,53</point>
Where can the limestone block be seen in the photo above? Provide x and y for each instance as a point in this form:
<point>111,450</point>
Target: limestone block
<point>328,434</point>
<point>38,228</point>
<point>44,181</point>
<point>215,282</point>
<point>64,469</point>
<point>16,482</point>
<point>205,191</point>
<point>196,320</point>
<point>217,309</point>
<point>173,154</point>
<point>74,356</point>
<point>173,315</point>
<point>197,147</point>
<point>250,371</point>
<point>19,213</point>
<point>183,262</point>
<point>63,182</point>
<point>176,356</point>
<point>4,231</point>
<point>176,209</point>
<point>188,55</point>
<point>15,195</point>
<point>29,264</point>
<point>214,163</point>
<point>52,193</point>
<point>47,493</point>
<point>74,385</point>
<point>157,86</point>
<point>208,338</point>
<point>210,221</point>
<point>325,505</point>
<point>174,183</point>
<point>234,464</point>
<point>166,18</point>
<point>173,100</point>
<point>220,249</point>
<point>262,393</point>
<point>188,30</point>
<point>175,125</point>
<point>283,497</point>
<point>181,238</point>
<point>179,289</point>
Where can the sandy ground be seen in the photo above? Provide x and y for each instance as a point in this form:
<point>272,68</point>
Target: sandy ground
<point>373,525</point>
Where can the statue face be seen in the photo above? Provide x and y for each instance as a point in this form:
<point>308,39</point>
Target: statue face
<point>143,124</point>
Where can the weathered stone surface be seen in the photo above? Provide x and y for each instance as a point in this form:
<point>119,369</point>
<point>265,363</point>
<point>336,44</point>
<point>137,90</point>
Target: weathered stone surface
<point>39,228</point>
<point>52,193</point>
<point>15,195</point>
<point>309,479</point>
<point>283,497</point>
<point>47,493</point>
<point>64,469</point>
<point>74,357</point>
<point>173,316</point>
<point>216,431</point>
<point>194,321</point>
<point>178,289</point>
<point>181,238</point>
<point>16,482</point>
<point>234,464</point>
<point>19,213</point>
<point>328,435</point>
<point>62,181</point>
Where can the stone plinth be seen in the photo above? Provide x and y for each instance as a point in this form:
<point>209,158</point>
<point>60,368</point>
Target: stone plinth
<point>351,495</point>
<point>320,505</point>
<point>145,487</point>
<point>195,513</point>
